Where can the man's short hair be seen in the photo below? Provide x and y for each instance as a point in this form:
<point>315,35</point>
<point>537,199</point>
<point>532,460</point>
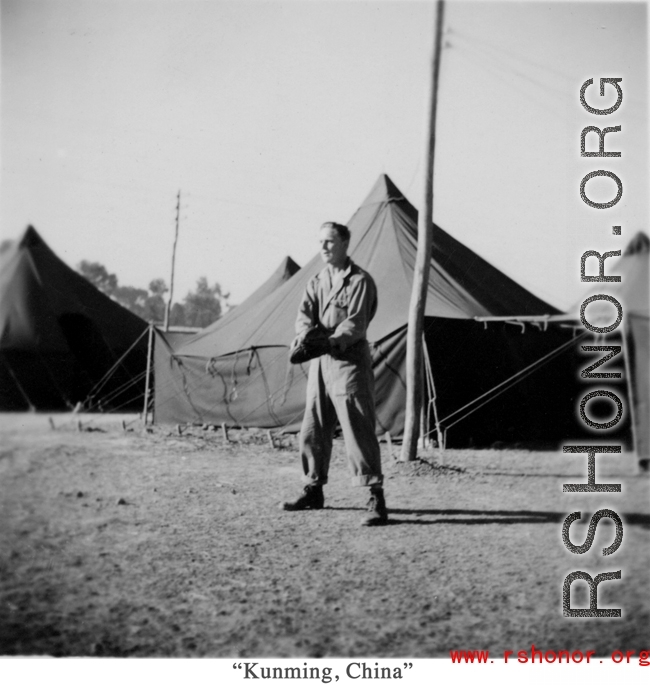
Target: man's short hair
<point>342,230</point>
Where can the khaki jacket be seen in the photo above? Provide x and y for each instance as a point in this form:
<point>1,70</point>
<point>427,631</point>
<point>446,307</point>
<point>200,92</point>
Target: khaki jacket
<point>344,311</point>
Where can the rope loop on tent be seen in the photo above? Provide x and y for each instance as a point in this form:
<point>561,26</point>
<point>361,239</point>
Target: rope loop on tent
<point>212,370</point>
<point>233,395</point>
<point>288,381</point>
<point>517,323</point>
<point>254,363</point>
<point>186,389</point>
<point>267,389</point>
<point>270,398</point>
<point>251,357</point>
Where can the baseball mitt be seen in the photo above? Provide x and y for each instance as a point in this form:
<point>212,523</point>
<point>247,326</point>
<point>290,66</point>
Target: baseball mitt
<point>314,343</point>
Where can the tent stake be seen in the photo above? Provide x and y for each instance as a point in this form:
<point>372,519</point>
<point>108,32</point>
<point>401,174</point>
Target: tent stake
<point>422,264</point>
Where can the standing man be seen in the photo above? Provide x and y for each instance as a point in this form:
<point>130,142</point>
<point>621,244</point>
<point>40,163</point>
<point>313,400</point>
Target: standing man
<point>342,300</point>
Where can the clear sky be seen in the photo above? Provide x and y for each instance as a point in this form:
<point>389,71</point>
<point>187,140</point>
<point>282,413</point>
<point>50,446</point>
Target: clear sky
<point>272,117</point>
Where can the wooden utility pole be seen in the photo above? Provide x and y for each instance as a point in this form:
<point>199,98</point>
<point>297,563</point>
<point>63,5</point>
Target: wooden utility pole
<point>171,285</point>
<point>422,262</point>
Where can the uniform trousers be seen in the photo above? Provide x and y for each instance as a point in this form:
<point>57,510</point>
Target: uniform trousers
<point>341,388</point>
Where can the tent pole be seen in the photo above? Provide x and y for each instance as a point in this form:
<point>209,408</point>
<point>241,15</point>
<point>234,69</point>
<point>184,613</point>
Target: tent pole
<point>424,437</point>
<point>145,410</point>
<point>432,391</point>
<point>422,264</point>
<point>171,284</point>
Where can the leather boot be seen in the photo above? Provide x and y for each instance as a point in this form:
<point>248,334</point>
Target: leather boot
<point>377,512</point>
<point>311,498</point>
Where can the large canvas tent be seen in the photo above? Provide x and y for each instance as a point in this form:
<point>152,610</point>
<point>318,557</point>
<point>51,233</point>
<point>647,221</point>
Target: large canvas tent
<point>175,338</point>
<point>238,372</point>
<point>286,269</point>
<point>61,339</point>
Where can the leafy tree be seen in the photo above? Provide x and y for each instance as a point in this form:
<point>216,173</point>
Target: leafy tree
<point>97,274</point>
<point>5,245</point>
<point>158,286</point>
<point>204,305</point>
<point>177,315</point>
<point>199,308</point>
<point>154,307</point>
<point>134,299</point>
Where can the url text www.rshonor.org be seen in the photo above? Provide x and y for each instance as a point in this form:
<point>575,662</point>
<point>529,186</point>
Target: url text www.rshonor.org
<point>539,656</point>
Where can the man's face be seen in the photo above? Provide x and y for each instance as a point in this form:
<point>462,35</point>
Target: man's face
<point>333,250</point>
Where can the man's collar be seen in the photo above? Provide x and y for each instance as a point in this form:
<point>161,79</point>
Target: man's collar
<point>340,283</point>
<point>347,268</point>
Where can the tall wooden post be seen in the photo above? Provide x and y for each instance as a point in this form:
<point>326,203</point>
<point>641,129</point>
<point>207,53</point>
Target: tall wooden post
<point>422,263</point>
<point>147,389</point>
<point>171,285</point>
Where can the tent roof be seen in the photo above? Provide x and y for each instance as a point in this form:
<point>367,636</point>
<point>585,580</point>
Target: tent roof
<point>37,288</point>
<point>461,283</point>
<point>383,230</point>
<point>286,269</point>
<point>639,244</point>
<point>633,290</point>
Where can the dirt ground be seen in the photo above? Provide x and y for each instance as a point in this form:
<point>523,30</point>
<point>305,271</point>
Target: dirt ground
<point>118,541</point>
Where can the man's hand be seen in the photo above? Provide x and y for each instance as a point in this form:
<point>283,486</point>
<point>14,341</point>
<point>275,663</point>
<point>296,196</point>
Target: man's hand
<point>335,347</point>
<point>309,345</point>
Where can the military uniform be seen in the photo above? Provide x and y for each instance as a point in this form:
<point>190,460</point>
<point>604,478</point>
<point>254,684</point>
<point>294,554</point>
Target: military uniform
<point>340,384</point>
